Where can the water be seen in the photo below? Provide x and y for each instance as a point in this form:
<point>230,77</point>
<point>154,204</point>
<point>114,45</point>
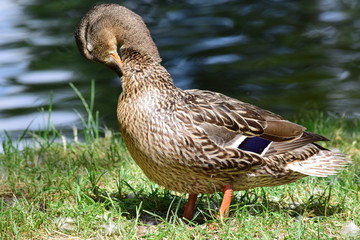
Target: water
<point>287,56</point>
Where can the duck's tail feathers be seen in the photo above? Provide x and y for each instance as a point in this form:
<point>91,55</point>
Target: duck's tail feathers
<point>322,164</point>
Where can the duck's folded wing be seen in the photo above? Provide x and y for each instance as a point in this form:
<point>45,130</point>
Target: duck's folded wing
<point>228,121</point>
<point>232,136</point>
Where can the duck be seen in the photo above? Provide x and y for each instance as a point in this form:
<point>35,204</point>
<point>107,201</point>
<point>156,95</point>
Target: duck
<point>195,141</point>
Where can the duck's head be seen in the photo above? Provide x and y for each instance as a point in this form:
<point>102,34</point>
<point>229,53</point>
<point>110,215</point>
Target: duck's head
<point>108,28</point>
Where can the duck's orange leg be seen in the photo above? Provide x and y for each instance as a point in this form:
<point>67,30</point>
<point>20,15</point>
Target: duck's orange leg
<point>190,207</point>
<point>225,204</point>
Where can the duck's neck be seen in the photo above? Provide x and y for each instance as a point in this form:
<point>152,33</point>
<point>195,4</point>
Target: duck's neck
<point>141,73</point>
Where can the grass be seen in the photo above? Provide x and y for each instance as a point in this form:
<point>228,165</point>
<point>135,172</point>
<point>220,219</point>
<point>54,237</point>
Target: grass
<point>94,190</point>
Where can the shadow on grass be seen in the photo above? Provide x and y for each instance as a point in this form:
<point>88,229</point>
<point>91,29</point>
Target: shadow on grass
<point>161,205</point>
<point>319,204</point>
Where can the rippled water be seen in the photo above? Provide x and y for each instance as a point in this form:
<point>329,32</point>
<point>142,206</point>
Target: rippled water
<point>287,56</point>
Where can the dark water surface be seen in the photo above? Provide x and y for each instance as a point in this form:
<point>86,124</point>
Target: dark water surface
<point>284,55</point>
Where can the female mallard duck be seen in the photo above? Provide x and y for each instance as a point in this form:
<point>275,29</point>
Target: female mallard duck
<point>195,141</point>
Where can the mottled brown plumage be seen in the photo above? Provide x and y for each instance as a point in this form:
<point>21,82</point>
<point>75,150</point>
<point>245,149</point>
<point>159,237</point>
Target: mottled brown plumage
<point>190,140</point>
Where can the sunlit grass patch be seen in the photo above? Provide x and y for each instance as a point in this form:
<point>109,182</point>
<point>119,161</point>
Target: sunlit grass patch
<point>93,189</point>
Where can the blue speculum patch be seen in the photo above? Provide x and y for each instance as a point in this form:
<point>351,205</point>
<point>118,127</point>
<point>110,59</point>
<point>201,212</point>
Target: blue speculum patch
<point>254,144</point>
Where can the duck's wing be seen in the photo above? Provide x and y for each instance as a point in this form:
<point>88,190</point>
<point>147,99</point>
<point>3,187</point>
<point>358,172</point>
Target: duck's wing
<point>225,119</point>
<point>235,136</point>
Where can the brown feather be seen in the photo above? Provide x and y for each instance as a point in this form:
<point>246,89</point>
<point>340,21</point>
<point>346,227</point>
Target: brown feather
<point>282,147</point>
<point>282,130</point>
